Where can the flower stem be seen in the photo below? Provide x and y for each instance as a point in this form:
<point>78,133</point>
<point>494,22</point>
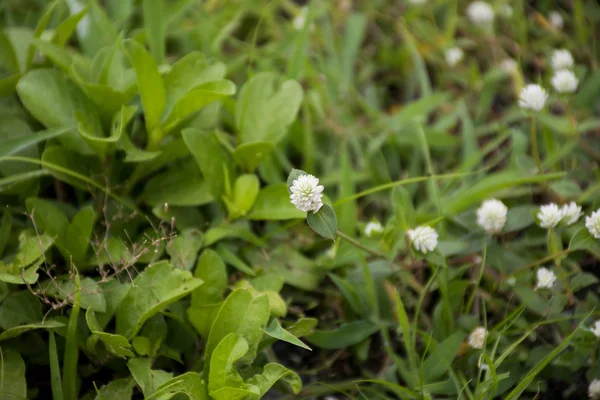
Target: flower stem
<point>356,244</point>
<point>534,145</point>
<point>558,264</point>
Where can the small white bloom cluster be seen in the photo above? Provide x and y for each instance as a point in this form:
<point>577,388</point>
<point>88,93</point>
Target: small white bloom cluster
<point>596,329</point>
<point>594,389</point>
<point>509,65</point>
<point>477,337</point>
<point>307,193</point>
<point>592,223</point>
<point>300,19</point>
<point>551,215</point>
<point>533,97</point>
<point>564,80</point>
<point>491,216</point>
<point>480,13</point>
<point>423,238</point>
<point>453,56</point>
<point>545,278</point>
<point>556,20</point>
<point>373,227</point>
<point>561,59</point>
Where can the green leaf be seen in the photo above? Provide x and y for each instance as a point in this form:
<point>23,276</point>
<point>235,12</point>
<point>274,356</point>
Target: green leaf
<point>79,233</point>
<point>245,190</point>
<point>250,155</point>
<point>150,83</point>
<point>276,331</point>
<point>55,379</point>
<point>323,222</point>
<point>89,292</point>
<point>346,335</point>
<point>273,203</point>
<point>63,32</point>
<point>20,143</point>
<point>154,288</point>
<point>70,377</point>
<point>184,249</point>
<point>154,26</point>
<point>20,308</point>
<point>12,372</point>
<point>264,111</point>
<point>272,373</point>
<point>148,379</point>
<point>243,314</point>
<point>189,384</point>
<point>440,359</point>
<point>211,158</point>
<point>5,227</point>
<point>19,330</point>
<point>119,389</point>
<point>115,344</point>
<point>211,269</point>
<point>519,217</point>
<point>222,372</point>
<point>39,29</point>
<point>583,240</point>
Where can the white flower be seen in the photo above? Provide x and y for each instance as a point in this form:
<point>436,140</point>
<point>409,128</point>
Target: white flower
<point>592,223</point>
<point>533,97</point>
<point>306,193</point>
<point>545,278</point>
<point>417,2</point>
<point>331,252</point>
<point>561,59</point>
<point>507,10</point>
<point>373,227</point>
<point>596,329</point>
<point>564,81</point>
<point>594,389</point>
<point>423,238</point>
<point>300,20</point>
<point>571,212</point>
<point>491,216</point>
<point>484,367</point>
<point>549,215</point>
<point>477,337</point>
<point>556,20</point>
<point>509,65</point>
<point>511,281</point>
<point>480,13</point>
<point>453,56</point>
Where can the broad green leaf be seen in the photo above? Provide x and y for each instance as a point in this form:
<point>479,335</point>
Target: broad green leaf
<point>273,203</point>
<point>245,190</point>
<point>115,344</point>
<point>211,269</point>
<point>148,379</point>
<point>189,384</point>
<point>323,222</point>
<point>60,56</point>
<point>90,293</point>
<point>184,249</point>
<point>79,233</point>
<point>222,372</point>
<point>154,26</point>
<point>211,157</point>
<point>273,373</point>
<point>243,314</point>
<point>11,183</point>
<point>39,29</point>
<point>19,330</point>
<point>237,230</point>
<point>264,109</point>
<point>63,32</point>
<point>346,335</point>
<point>154,288</point>
<point>440,359</point>
<point>297,270</point>
<point>70,167</point>
<point>250,155</point>
<point>5,227</point>
<point>18,144</point>
<point>150,83</point>
<point>583,240</point>
<point>276,331</point>
<point>119,389</point>
<point>519,217</point>
<point>12,370</point>
<point>20,308</point>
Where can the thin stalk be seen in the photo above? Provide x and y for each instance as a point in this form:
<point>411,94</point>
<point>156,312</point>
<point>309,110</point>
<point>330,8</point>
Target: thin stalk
<point>534,145</point>
<point>481,269</point>
<point>558,264</point>
<point>356,244</point>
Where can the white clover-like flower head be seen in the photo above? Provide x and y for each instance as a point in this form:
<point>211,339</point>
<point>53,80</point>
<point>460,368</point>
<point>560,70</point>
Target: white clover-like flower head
<point>491,216</point>
<point>594,389</point>
<point>453,56</point>
<point>300,19</point>
<point>506,10</point>
<point>533,97</point>
<point>423,238</point>
<point>477,337</point>
<point>549,215</point>
<point>509,65</point>
<point>480,13</point>
<point>545,278</point>
<point>561,59</point>
<point>556,20</point>
<point>571,213</point>
<point>565,81</point>
<point>592,223</point>
<point>373,227</point>
<point>307,193</point>
<point>511,281</point>
<point>596,329</point>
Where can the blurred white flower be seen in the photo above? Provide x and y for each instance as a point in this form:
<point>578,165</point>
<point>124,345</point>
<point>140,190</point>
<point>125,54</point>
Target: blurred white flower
<point>511,281</point>
<point>533,97</point>
<point>549,215</point>
<point>592,223</point>
<point>331,252</point>
<point>594,389</point>
<point>561,59</point>
<point>417,2</point>
<point>571,212</point>
<point>545,278</point>
<point>556,20</point>
<point>596,329</point>
<point>480,13</point>
<point>373,227</point>
<point>509,65</point>
<point>300,20</point>
<point>423,238</point>
<point>477,337</point>
<point>491,216</point>
<point>453,56</point>
<point>484,367</point>
<point>564,81</point>
<point>506,10</point>
<point>306,193</point>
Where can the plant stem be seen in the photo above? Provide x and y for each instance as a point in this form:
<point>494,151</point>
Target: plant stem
<point>534,145</point>
<point>558,264</point>
<point>356,244</point>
